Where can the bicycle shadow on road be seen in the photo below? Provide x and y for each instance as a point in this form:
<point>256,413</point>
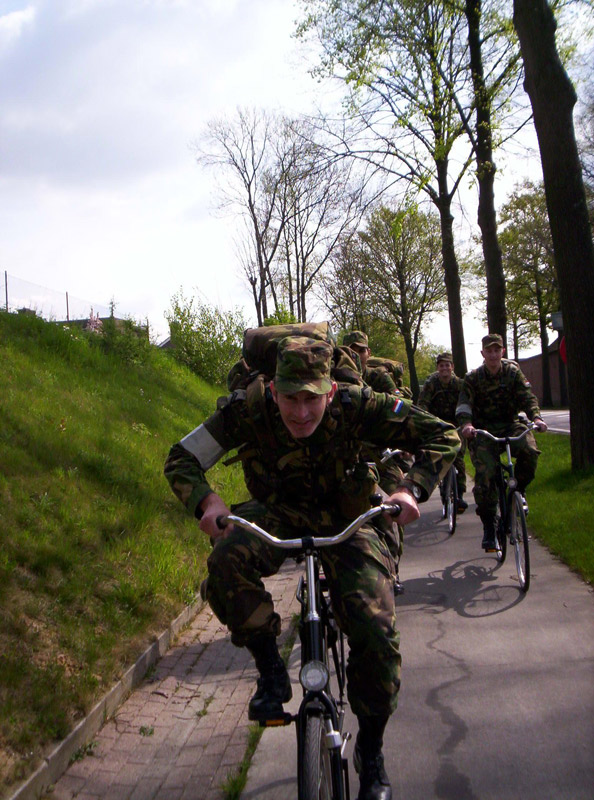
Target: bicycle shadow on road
<point>470,588</point>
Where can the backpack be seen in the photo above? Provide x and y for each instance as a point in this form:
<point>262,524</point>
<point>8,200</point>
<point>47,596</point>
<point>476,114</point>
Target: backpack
<point>260,347</point>
<point>395,368</point>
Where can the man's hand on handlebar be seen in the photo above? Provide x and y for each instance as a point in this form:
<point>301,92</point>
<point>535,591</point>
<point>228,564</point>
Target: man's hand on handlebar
<point>408,505</point>
<point>212,507</point>
<point>468,431</point>
<point>540,425</point>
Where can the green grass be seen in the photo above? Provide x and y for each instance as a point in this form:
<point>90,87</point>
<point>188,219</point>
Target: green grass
<point>562,505</point>
<point>96,554</point>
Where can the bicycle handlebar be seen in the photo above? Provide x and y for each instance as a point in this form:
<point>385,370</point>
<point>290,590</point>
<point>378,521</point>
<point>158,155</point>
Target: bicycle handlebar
<point>503,439</point>
<point>393,509</point>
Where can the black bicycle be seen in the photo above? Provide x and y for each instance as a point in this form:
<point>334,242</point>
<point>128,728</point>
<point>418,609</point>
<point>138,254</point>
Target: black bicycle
<point>510,518</point>
<point>448,489</point>
<point>322,767</point>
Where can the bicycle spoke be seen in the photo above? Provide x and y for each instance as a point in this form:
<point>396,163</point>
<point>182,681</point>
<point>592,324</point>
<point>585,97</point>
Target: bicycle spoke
<point>519,540</point>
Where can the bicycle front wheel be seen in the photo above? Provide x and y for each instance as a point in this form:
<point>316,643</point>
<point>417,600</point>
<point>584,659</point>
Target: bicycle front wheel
<point>316,778</point>
<point>451,500</point>
<point>519,540</point>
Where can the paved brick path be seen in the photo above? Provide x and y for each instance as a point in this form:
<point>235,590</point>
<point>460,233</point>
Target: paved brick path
<point>185,729</point>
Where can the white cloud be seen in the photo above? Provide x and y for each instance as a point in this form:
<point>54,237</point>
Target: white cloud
<point>12,24</point>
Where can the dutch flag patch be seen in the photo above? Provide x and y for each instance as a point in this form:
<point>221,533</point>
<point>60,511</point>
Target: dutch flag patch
<point>397,406</point>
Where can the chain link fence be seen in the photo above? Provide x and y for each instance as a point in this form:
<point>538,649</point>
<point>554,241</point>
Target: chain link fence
<point>20,295</point>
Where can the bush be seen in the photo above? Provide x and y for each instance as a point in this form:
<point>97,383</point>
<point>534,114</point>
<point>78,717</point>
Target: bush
<point>205,338</point>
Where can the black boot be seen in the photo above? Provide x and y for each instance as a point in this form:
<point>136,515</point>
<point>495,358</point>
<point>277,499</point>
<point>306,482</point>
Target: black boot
<point>369,760</point>
<point>274,684</point>
<point>488,532</point>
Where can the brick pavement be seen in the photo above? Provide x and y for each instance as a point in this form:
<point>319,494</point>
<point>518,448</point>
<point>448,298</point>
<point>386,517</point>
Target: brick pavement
<point>184,730</point>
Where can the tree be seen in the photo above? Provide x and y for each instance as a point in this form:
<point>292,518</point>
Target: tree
<point>553,97</point>
<point>325,200</point>
<point>256,155</point>
<point>205,338</point>
<point>530,269</point>
<point>400,63</point>
<point>402,269</point>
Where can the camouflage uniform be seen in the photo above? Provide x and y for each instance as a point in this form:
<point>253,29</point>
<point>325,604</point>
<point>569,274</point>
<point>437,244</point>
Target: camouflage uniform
<point>441,399</point>
<point>315,484</point>
<point>493,402</point>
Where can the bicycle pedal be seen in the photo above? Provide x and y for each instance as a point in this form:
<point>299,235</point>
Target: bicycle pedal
<point>276,721</point>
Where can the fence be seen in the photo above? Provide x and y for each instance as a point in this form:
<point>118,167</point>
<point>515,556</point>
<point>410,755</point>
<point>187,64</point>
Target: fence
<point>48,303</point>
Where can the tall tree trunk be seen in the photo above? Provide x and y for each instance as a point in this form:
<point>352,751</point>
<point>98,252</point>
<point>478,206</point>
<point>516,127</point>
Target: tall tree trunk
<point>451,272</point>
<point>485,173</point>
<point>553,97</point>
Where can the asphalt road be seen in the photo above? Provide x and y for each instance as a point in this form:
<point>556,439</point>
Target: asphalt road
<point>557,420</point>
<point>497,699</point>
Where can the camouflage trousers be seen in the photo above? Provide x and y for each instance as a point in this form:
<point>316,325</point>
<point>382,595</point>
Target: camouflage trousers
<point>485,455</point>
<point>359,574</point>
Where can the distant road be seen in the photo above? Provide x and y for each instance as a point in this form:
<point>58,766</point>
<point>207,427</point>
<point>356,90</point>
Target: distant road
<point>558,421</point>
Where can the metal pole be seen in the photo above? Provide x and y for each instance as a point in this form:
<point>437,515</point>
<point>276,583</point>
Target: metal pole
<point>67,309</point>
<point>6,288</point>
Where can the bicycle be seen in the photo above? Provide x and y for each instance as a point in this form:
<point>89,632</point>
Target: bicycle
<point>322,768</point>
<point>448,488</point>
<point>510,517</point>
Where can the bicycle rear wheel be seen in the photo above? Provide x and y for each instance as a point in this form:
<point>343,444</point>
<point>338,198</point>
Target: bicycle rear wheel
<point>519,539</point>
<point>316,778</point>
<point>451,500</point>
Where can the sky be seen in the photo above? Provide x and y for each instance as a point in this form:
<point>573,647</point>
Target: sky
<point>101,102</point>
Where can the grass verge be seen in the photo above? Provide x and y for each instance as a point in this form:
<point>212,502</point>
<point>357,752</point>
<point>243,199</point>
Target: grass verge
<point>96,554</point>
<point>562,505</point>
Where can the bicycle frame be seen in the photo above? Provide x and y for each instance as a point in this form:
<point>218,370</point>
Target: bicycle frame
<point>317,635</point>
<point>512,522</point>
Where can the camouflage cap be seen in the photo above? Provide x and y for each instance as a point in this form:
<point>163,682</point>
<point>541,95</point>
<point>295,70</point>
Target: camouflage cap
<point>492,338</point>
<point>303,364</point>
<point>444,357</point>
<point>356,337</point>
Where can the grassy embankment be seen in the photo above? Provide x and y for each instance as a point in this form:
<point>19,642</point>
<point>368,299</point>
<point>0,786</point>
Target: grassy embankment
<point>96,554</point>
<point>562,505</point>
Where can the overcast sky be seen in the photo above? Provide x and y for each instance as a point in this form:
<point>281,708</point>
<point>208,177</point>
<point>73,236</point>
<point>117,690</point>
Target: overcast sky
<point>100,102</point>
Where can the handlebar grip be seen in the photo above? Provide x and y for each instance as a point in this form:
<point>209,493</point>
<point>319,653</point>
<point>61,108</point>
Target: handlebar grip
<point>393,510</point>
<point>222,521</point>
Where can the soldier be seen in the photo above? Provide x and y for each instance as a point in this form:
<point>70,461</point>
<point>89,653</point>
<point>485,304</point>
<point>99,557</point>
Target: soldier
<point>303,470</point>
<point>439,396</point>
<point>378,378</point>
<point>392,472</point>
<point>491,398</point>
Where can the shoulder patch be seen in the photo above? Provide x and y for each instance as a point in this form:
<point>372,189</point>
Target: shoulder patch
<point>400,408</point>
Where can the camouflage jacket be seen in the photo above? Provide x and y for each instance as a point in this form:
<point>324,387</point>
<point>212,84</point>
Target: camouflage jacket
<point>315,481</point>
<point>440,399</point>
<point>494,401</point>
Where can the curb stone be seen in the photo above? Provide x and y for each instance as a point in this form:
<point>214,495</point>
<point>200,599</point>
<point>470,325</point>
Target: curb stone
<point>56,761</point>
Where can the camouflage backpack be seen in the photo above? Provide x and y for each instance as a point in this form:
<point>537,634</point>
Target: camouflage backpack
<point>260,346</point>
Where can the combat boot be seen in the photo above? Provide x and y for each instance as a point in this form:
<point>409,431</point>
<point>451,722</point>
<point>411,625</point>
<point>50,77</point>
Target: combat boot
<point>462,504</point>
<point>368,760</point>
<point>488,532</point>
<point>274,684</point>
